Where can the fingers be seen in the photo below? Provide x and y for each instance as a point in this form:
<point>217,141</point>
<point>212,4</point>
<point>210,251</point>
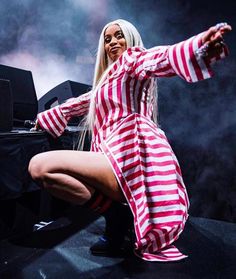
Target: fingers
<point>209,33</point>
<point>212,40</point>
<point>36,126</point>
<point>223,27</point>
<point>215,33</point>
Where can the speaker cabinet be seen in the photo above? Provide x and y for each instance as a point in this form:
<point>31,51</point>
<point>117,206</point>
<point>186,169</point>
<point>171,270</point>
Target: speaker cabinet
<point>60,94</point>
<point>6,111</point>
<point>24,99</point>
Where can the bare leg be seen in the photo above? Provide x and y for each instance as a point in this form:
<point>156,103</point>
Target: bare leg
<point>68,188</point>
<point>73,175</point>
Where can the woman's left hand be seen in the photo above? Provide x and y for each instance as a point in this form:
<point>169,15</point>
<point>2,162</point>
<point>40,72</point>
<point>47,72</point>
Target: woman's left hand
<point>213,39</point>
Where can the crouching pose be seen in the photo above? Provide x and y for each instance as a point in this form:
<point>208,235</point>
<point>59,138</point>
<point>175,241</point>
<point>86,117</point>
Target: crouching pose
<point>131,173</point>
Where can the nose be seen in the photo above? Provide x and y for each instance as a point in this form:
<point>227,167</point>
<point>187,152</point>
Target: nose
<point>113,41</point>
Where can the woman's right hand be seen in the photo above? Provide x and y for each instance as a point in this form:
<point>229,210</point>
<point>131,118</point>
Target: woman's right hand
<point>36,126</point>
<point>213,39</point>
<point>215,33</point>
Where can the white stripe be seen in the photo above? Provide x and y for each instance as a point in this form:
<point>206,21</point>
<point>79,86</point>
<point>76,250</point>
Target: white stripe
<point>179,58</point>
<point>171,58</point>
<point>169,197</point>
<point>61,116</point>
<point>159,209</point>
<point>127,152</point>
<point>167,72</point>
<point>137,167</point>
<point>132,96</point>
<point>161,220</point>
<point>143,201</point>
<point>161,178</point>
<point>155,152</point>
<point>123,134</point>
<point>117,147</point>
<point>155,141</point>
<point>200,61</point>
<point>165,208</point>
<point>153,178</point>
<point>51,128</point>
<point>161,188</point>
<point>158,159</point>
<point>188,61</point>
<point>149,62</point>
<point>55,118</point>
<point>143,105</point>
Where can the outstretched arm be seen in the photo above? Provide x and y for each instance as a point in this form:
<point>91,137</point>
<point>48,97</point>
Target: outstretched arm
<point>190,59</point>
<point>55,119</point>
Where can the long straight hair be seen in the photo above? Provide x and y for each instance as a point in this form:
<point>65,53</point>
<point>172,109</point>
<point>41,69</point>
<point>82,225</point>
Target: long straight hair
<point>103,65</point>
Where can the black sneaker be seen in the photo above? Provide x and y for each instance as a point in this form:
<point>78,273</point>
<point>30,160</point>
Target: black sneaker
<point>118,238</point>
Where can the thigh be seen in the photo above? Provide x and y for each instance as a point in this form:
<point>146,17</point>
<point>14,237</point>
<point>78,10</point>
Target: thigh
<point>92,168</point>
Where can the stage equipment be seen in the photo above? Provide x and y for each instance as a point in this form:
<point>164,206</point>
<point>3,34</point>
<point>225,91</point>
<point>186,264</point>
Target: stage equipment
<point>60,94</point>
<point>6,112</point>
<point>24,99</point>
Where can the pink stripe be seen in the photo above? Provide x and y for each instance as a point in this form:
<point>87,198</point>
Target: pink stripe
<point>158,204</point>
<point>176,62</point>
<point>59,118</point>
<point>48,126</point>
<point>104,105</point>
<point>161,193</point>
<point>145,164</point>
<point>196,67</point>
<point>119,96</point>
<point>121,140</point>
<point>183,57</point>
<point>128,95</point>
<point>54,125</point>
<point>125,148</point>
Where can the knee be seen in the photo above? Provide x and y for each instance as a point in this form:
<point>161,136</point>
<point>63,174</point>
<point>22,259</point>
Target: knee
<point>36,167</point>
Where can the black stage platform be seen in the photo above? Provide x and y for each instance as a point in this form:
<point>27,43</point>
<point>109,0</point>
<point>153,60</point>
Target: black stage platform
<point>61,250</point>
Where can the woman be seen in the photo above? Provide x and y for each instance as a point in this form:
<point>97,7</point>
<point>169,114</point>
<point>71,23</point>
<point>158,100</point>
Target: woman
<point>130,159</point>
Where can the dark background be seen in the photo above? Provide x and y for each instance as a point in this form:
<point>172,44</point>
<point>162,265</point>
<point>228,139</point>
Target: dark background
<point>57,41</point>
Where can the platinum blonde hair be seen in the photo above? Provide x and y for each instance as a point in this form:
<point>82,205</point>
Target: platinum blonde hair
<point>132,38</point>
<point>103,64</point>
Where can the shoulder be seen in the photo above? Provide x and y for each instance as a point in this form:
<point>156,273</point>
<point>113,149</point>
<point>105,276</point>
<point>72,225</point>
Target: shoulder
<point>134,53</point>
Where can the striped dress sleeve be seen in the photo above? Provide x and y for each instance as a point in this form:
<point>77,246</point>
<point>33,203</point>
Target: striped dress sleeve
<point>164,61</point>
<point>54,120</point>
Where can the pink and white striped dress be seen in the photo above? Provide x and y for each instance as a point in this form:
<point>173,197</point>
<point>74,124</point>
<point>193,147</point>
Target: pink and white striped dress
<point>137,149</point>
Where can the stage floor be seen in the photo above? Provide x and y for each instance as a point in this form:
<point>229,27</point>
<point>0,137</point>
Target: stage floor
<point>61,250</point>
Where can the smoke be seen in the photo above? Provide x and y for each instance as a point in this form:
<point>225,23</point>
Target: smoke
<point>57,41</point>
<point>48,70</point>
